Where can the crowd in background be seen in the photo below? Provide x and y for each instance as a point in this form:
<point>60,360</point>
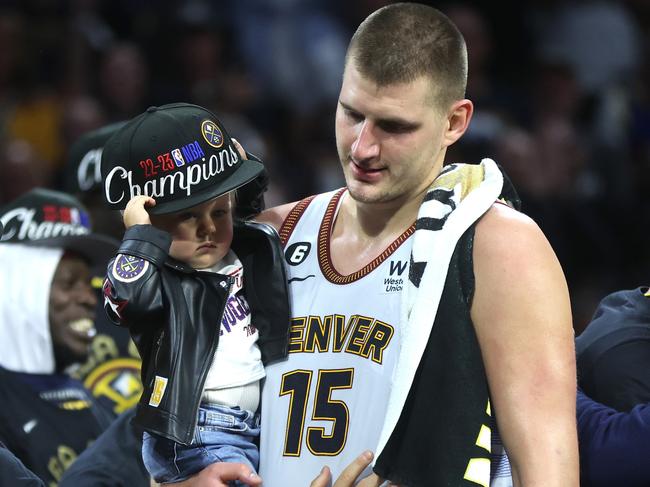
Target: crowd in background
<point>561,91</point>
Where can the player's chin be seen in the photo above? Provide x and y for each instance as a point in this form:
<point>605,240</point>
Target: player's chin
<point>366,193</point>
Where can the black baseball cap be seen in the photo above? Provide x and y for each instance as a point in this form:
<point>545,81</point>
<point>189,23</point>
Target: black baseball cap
<point>82,170</point>
<point>48,218</point>
<point>179,154</point>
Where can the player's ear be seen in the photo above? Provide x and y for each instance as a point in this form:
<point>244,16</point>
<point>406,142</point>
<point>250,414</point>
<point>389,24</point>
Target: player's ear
<point>458,117</point>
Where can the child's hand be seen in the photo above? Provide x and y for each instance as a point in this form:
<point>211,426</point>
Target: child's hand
<point>135,212</point>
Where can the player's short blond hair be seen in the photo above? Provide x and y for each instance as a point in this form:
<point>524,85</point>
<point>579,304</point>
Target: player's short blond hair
<point>404,41</point>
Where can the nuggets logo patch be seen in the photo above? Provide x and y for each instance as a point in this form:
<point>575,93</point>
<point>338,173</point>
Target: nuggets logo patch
<point>127,268</point>
<point>159,387</point>
<point>211,133</point>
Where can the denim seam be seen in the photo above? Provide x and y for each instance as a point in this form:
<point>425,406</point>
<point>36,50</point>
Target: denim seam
<point>178,470</point>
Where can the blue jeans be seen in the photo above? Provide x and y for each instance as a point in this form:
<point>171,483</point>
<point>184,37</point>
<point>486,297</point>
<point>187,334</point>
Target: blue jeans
<point>222,434</point>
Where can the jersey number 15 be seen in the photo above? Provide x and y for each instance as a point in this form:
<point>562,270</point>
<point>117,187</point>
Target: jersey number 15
<point>297,384</point>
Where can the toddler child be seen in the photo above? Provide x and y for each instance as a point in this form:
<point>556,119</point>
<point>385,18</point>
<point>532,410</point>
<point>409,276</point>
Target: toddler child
<point>204,297</point>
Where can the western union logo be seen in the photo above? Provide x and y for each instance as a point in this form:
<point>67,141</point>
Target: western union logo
<point>159,387</point>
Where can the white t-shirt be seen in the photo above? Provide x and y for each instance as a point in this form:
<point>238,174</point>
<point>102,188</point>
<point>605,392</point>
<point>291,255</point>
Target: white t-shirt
<point>237,360</point>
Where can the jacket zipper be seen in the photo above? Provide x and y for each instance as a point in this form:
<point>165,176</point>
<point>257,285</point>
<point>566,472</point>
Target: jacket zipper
<point>213,350</point>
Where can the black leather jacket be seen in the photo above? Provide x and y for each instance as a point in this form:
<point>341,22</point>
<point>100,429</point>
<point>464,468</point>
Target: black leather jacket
<point>173,313</point>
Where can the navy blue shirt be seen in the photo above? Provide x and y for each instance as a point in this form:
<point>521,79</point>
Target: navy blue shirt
<point>613,352</point>
<point>113,460</point>
<point>614,446</point>
<point>47,420</point>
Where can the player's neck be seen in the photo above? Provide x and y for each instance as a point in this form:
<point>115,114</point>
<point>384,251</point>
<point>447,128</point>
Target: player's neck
<point>374,220</point>
<point>363,231</point>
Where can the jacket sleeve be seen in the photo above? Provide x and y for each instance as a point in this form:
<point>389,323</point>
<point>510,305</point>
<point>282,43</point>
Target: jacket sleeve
<point>13,471</point>
<point>614,446</point>
<point>132,291</point>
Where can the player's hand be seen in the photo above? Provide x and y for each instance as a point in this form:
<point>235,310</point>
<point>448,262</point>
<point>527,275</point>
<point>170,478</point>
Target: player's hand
<point>136,213</point>
<point>350,474</point>
<point>220,474</point>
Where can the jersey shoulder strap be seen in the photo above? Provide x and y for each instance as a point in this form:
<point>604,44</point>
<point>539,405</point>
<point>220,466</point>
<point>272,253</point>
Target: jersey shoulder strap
<point>297,212</point>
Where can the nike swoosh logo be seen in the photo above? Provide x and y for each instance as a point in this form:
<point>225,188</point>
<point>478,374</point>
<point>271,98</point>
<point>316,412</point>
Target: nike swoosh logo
<point>29,425</point>
<point>298,279</point>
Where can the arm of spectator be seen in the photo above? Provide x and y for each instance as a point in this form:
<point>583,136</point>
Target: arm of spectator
<point>614,446</point>
<point>522,317</point>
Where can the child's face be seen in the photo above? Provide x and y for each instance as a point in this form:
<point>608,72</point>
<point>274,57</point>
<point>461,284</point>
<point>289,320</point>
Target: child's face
<point>202,234</point>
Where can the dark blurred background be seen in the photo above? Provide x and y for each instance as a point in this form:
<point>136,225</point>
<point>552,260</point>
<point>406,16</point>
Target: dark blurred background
<point>562,94</point>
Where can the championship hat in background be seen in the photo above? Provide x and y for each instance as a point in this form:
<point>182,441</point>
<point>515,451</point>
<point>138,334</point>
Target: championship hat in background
<point>47,218</point>
<point>83,170</point>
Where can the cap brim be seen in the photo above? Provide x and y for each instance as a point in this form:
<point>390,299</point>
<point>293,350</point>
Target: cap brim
<point>98,249</point>
<point>248,171</point>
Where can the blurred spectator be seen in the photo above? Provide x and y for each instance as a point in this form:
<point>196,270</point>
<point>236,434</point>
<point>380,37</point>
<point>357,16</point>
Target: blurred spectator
<point>582,203</point>
<point>614,351</point>
<point>304,48</point>
<point>83,113</point>
<point>486,87</point>
<point>46,324</point>
<point>10,29</point>
<point>82,178</point>
<point>112,370</point>
<point>22,169</point>
<point>598,38</point>
<point>123,80</point>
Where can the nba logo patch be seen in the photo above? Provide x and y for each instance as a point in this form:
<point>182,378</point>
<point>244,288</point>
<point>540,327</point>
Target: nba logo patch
<point>178,157</point>
<point>127,268</point>
<point>212,133</point>
<point>159,386</point>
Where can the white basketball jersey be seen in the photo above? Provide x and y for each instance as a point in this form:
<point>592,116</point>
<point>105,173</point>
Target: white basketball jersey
<point>326,402</point>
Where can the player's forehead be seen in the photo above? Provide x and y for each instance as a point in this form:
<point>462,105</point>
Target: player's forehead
<point>405,100</point>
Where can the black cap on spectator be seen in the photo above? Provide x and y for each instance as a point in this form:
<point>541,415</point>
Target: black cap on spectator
<point>47,218</point>
<point>83,171</point>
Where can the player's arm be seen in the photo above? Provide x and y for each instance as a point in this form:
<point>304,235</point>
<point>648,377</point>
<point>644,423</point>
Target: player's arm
<point>521,313</point>
<point>275,216</point>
